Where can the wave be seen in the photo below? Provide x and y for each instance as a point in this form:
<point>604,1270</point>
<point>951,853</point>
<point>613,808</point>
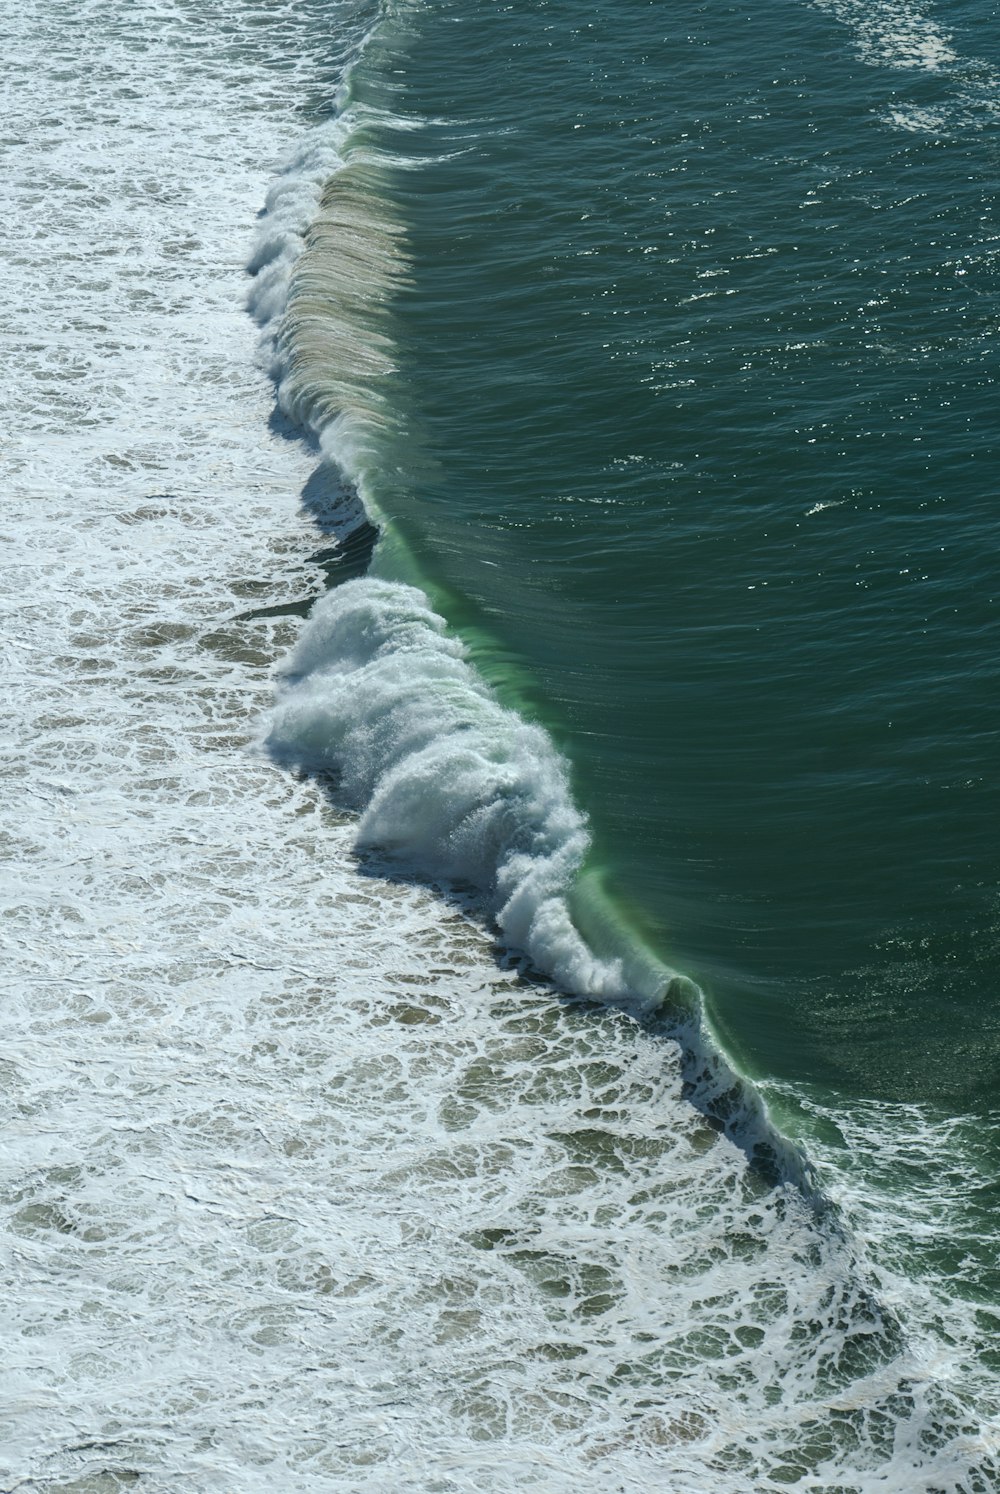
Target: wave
<point>379,695</point>
<point>378,689</point>
<point>441,773</point>
<point>382,699</point>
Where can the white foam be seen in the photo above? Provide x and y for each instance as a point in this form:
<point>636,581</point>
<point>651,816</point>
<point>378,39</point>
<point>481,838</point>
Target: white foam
<point>894,33</point>
<point>905,36</point>
<point>933,122</point>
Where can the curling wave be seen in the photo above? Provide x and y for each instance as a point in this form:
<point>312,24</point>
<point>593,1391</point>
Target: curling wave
<point>380,693</point>
<point>327,262</point>
<point>379,696</point>
<point>377,689</point>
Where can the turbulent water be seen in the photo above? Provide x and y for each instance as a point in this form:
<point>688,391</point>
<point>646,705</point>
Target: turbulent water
<point>500,899</point>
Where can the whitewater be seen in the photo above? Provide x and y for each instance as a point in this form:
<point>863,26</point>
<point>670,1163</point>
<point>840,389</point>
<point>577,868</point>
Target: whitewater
<point>307,1181</point>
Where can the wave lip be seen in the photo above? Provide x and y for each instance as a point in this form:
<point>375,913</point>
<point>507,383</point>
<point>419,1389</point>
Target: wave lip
<point>329,260</point>
<point>291,207</point>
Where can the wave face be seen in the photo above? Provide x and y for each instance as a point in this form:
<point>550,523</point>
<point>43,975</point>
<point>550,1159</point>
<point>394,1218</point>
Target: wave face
<point>324,314</point>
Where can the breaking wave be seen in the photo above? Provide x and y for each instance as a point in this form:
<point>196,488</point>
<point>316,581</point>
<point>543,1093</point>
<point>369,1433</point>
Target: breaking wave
<point>379,694</point>
<point>382,700</point>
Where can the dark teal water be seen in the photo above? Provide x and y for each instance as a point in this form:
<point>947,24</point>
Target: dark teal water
<point>699,446</point>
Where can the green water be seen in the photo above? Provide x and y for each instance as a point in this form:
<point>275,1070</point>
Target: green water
<point>698,448</point>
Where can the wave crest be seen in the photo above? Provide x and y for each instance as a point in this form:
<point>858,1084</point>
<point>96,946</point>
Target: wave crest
<point>379,693</point>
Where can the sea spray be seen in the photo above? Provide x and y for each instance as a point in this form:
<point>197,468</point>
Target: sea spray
<point>442,774</point>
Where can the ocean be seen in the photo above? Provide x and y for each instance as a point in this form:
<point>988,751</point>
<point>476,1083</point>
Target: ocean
<point>501,894</point>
